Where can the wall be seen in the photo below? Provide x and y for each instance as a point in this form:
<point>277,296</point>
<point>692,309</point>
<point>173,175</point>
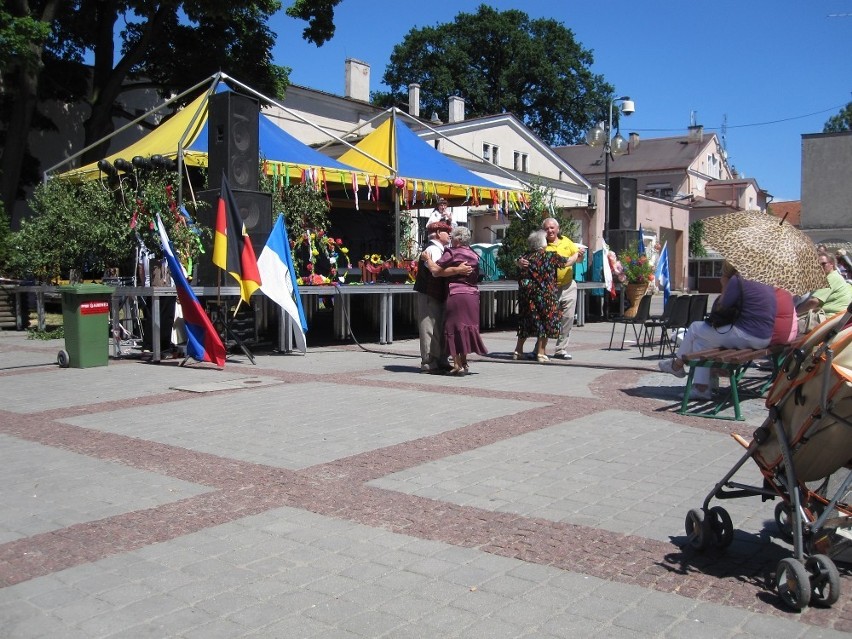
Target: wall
<point>826,186</point>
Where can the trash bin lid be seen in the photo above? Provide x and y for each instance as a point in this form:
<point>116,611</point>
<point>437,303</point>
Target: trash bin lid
<point>87,289</point>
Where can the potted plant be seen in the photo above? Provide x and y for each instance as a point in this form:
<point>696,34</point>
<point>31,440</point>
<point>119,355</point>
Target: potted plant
<point>637,273</point>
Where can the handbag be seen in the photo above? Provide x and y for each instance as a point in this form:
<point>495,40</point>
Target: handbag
<point>727,315</point>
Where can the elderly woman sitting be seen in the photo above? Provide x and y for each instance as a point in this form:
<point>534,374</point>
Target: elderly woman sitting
<point>761,310</point>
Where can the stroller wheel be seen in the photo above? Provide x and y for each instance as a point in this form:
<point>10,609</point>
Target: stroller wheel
<point>784,521</point>
<point>825,580</point>
<point>722,526</point>
<point>697,530</point>
<point>793,583</point>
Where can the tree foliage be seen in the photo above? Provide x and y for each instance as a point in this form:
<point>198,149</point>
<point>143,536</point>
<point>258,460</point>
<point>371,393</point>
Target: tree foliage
<point>502,62</point>
<point>76,227</point>
<point>696,239</point>
<point>525,222</point>
<point>840,122</point>
<point>167,45</point>
<point>319,14</point>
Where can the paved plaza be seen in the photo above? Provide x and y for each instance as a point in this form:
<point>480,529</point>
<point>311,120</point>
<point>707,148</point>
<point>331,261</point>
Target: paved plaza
<point>342,494</point>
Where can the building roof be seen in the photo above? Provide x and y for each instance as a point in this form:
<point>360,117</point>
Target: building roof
<point>791,209</point>
<point>654,154</point>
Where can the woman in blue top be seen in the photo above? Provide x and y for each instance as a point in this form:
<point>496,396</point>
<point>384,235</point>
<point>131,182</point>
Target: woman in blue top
<point>753,327</point>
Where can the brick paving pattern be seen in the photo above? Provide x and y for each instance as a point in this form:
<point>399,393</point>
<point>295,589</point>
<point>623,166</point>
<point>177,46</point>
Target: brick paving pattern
<point>342,494</point>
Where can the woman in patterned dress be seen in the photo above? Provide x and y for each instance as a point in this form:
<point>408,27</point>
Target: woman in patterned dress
<point>538,297</point>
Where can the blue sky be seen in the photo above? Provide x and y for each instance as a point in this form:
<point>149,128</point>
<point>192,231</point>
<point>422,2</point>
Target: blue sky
<point>771,70</point>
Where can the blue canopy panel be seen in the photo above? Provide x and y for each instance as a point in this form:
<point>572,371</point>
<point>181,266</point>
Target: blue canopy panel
<point>417,159</point>
<point>277,145</point>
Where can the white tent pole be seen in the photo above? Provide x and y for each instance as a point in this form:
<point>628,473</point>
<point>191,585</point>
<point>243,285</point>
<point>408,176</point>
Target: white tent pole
<point>468,151</point>
<point>180,163</point>
<point>395,190</point>
<point>300,118</point>
<point>126,126</point>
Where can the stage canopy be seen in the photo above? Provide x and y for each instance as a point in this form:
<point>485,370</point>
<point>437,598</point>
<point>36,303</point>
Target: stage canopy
<point>421,173</point>
<point>284,156</point>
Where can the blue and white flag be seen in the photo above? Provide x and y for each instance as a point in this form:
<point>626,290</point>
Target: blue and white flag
<point>662,273</point>
<point>278,283</point>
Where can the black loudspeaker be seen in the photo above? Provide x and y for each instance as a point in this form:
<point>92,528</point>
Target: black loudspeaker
<point>350,274</point>
<point>232,141</point>
<point>622,203</point>
<point>255,210</point>
<point>394,275</point>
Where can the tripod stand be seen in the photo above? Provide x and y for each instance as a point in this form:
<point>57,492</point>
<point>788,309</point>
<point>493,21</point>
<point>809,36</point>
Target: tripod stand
<point>220,317</point>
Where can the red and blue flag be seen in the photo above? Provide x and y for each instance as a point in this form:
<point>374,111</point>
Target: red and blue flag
<point>203,342</point>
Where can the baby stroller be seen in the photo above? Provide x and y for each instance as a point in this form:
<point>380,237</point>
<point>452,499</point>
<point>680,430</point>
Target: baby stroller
<point>804,452</point>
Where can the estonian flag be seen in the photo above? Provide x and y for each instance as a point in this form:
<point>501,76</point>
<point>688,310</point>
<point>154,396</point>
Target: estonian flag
<point>202,340</point>
<point>662,273</point>
<point>276,269</point>
<point>232,249</point>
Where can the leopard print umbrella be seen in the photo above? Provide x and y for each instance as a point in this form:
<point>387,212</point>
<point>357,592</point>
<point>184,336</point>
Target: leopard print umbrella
<point>766,249</point>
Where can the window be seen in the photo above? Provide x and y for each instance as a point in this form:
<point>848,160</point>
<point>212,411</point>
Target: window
<point>660,190</point>
<point>498,234</point>
<point>491,153</point>
<point>521,160</point>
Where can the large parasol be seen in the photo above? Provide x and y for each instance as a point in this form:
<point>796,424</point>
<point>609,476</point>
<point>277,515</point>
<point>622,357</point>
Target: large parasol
<point>766,249</point>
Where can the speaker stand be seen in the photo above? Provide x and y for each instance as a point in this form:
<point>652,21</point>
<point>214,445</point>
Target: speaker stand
<point>222,318</point>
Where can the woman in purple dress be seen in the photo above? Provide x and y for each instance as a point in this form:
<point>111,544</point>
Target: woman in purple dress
<point>461,315</point>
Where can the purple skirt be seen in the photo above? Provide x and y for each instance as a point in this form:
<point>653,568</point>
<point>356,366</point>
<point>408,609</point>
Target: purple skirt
<point>461,324</point>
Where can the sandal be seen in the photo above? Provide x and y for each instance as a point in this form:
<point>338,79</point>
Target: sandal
<point>542,358</point>
<point>517,355</point>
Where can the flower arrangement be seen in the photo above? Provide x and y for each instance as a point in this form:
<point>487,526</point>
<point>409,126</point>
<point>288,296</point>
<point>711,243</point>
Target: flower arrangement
<point>632,268</point>
<point>317,257</point>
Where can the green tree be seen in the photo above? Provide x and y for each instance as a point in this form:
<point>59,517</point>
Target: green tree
<point>525,222</point>
<point>502,62</point>
<point>840,122</point>
<point>79,227</point>
<point>133,44</point>
<point>696,239</point>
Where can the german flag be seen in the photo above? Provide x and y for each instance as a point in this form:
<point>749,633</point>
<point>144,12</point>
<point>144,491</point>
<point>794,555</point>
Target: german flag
<point>232,249</point>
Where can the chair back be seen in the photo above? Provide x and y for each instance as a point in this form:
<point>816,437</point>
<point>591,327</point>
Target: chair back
<point>679,317</point>
<point>698,307</point>
<point>667,310</point>
<point>643,312</point>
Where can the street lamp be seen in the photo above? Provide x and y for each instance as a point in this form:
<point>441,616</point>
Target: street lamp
<point>600,135</point>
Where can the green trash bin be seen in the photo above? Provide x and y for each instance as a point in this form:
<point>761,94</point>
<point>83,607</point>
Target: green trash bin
<point>85,318</point>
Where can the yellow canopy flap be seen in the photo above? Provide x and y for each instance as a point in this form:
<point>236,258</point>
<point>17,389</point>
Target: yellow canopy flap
<point>396,152</point>
<point>161,141</point>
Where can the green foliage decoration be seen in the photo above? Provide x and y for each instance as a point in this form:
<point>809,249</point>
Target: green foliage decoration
<point>696,239</point>
<point>75,226</point>
<point>525,222</point>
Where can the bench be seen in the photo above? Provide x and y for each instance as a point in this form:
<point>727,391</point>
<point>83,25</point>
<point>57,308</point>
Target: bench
<point>733,363</point>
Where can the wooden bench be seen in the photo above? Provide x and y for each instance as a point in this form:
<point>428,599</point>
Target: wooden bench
<point>733,363</point>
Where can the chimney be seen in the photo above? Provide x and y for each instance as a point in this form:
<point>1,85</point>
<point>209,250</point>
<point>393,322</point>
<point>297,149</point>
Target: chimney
<point>696,133</point>
<point>357,80</point>
<point>634,140</point>
<point>456,109</point>
<point>414,99</point>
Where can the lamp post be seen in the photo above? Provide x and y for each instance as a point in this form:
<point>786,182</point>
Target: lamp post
<point>600,134</point>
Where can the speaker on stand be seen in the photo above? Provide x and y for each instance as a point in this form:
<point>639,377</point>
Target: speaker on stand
<point>233,141</point>
<point>621,203</point>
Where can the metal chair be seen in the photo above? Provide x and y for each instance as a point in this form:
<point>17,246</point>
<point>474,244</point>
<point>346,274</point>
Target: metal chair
<point>657,321</point>
<point>678,319</point>
<point>643,310</point>
<point>698,307</point>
